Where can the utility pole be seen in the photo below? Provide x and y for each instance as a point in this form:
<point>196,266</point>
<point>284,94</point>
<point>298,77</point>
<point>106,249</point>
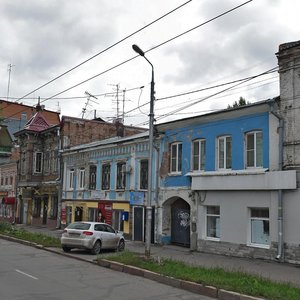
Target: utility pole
<point>89,96</point>
<point>9,73</point>
<point>123,113</point>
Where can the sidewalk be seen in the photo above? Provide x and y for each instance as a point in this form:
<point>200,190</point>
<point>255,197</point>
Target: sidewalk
<point>275,271</point>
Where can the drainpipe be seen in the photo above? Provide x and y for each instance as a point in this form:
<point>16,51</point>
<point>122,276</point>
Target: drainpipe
<point>59,182</point>
<point>280,247</point>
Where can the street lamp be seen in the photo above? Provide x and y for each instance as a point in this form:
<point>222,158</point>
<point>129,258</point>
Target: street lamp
<point>138,50</point>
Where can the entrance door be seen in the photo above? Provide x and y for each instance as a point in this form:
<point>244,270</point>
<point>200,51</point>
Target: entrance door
<point>78,213</point>
<point>180,223</point>
<point>138,223</point>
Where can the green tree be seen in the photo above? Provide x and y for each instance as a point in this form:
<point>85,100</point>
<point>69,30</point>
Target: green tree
<point>242,101</point>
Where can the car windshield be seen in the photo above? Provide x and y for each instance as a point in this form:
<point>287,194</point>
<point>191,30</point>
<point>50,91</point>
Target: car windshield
<point>80,226</point>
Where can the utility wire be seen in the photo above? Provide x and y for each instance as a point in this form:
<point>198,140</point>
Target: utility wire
<point>102,51</point>
<point>155,47</point>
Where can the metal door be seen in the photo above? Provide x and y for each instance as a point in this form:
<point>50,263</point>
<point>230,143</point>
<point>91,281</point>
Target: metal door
<point>138,223</point>
<point>180,223</point>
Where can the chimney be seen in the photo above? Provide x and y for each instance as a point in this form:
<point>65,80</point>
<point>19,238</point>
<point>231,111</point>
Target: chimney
<point>289,105</point>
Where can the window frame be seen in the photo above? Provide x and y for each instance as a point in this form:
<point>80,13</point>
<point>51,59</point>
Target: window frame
<point>92,177</point>
<point>177,158</point>
<point>255,149</point>
<point>81,179</point>
<point>143,175</point>
<point>259,218</point>
<point>70,182</point>
<point>226,156</point>
<point>200,156</point>
<point>217,226</point>
<point>105,180</point>
<point>120,175</point>
<point>38,162</point>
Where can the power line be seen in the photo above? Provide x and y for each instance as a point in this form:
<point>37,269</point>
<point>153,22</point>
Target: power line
<point>102,51</point>
<point>155,47</point>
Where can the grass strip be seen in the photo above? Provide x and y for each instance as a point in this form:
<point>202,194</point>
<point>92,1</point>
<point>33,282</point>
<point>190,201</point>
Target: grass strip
<point>233,281</point>
<point>20,233</point>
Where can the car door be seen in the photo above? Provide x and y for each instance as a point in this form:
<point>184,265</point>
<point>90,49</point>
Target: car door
<point>112,238</point>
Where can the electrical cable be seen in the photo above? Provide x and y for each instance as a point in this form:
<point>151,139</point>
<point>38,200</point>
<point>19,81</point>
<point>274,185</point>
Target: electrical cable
<point>155,47</point>
<point>102,51</point>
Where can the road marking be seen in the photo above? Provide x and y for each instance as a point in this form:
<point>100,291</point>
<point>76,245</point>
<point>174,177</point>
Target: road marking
<point>26,274</point>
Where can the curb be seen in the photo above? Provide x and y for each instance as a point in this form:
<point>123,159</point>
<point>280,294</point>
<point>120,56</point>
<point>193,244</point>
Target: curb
<point>193,287</point>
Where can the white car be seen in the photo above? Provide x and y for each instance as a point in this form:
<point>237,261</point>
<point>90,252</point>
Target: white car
<point>93,236</point>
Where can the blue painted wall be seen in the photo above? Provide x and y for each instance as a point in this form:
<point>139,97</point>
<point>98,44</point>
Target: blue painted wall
<point>210,131</point>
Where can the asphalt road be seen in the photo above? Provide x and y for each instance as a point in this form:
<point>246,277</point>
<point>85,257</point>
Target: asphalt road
<point>27,273</point>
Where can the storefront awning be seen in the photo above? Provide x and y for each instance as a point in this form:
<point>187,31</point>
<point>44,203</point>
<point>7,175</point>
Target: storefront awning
<point>8,200</point>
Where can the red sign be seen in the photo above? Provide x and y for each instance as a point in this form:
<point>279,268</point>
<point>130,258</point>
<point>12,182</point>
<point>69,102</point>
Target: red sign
<point>105,212</point>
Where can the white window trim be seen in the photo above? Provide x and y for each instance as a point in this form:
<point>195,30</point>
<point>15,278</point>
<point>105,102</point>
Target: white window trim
<point>200,141</point>
<point>70,180</point>
<point>223,137</point>
<point>177,160</point>
<point>81,179</point>
<point>255,245</point>
<point>209,238</point>
<point>255,149</point>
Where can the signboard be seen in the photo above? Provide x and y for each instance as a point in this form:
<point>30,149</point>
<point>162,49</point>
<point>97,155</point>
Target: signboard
<point>105,211</point>
<point>97,195</point>
<point>136,198</point>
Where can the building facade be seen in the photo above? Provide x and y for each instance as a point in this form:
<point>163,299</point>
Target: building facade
<point>108,181</point>
<point>229,180</point>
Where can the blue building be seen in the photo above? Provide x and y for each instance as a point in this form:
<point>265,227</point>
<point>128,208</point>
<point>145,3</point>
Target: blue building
<point>220,180</point>
<point>108,181</point>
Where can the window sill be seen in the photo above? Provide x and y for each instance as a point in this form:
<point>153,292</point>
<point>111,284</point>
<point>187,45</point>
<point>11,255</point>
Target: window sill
<point>212,239</point>
<point>175,174</point>
<point>262,246</point>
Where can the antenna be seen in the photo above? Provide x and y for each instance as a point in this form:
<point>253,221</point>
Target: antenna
<point>89,96</point>
<point>8,85</point>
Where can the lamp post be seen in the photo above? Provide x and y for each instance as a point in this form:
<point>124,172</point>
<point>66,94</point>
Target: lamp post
<point>138,50</point>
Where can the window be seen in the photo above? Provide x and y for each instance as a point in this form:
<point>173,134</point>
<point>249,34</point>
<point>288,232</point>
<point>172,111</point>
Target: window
<point>55,160</point>
<point>254,149</point>
<point>92,214</point>
<point>92,180</point>
<point>121,175</point>
<point>38,162</point>
<point>71,179</point>
<point>81,178</point>
<point>118,223</point>
<point>36,207</point>
<point>176,157</point>
<point>23,162</point>
<point>199,155</point>
<point>224,152</point>
<point>213,222</point>
<point>144,174</point>
<point>105,176</point>
<point>47,162</point>
<point>259,226</point>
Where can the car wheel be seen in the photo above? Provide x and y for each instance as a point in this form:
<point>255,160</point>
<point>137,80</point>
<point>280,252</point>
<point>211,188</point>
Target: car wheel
<point>66,249</point>
<point>96,248</point>
<point>121,245</point>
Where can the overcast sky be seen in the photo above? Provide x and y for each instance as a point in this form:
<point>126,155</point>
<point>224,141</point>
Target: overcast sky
<point>42,39</point>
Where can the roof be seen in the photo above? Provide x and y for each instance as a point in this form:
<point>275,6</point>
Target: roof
<point>289,45</point>
<point>220,114</point>
<point>37,123</point>
<point>113,140</point>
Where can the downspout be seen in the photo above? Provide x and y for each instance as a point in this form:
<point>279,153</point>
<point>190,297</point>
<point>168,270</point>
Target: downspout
<point>59,182</point>
<point>156,193</point>
<point>280,247</point>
